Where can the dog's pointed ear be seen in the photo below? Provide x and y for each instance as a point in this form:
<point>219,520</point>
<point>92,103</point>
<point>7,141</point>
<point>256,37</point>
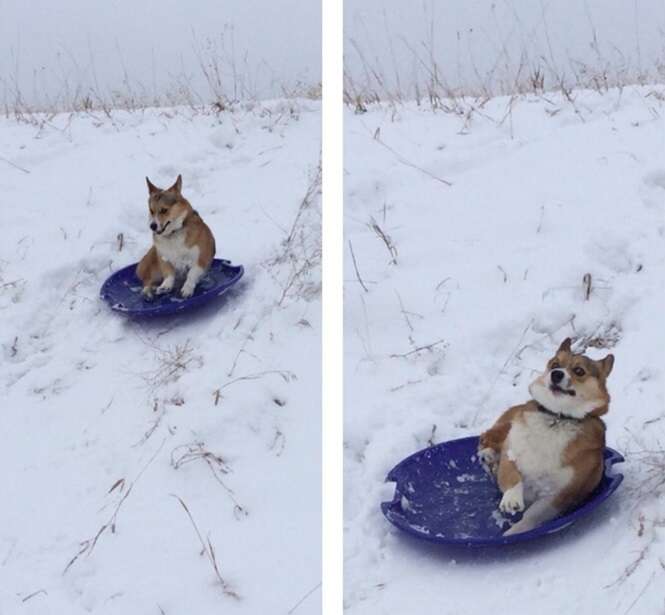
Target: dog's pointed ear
<point>177,187</point>
<point>151,187</point>
<point>565,345</point>
<point>607,364</point>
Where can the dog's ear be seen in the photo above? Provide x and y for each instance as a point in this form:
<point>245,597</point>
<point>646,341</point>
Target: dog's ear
<point>177,187</point>
<point>607,364</point>
<point>565,345</point>
<point>151,187</point>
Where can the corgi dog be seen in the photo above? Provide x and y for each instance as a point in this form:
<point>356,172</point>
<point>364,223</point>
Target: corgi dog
<point>182,244</point>
<point>547,454</point>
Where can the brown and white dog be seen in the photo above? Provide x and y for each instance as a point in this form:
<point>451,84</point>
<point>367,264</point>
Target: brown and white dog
<point>182,244</point>
<point>547,454</point>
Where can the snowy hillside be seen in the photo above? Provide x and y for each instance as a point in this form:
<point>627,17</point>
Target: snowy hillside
<point>169,466</point>
<point>478,239</point>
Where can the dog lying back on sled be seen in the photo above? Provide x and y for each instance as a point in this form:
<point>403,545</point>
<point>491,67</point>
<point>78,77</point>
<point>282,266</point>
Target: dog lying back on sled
<point>182,244</point>
<point>547,454</point>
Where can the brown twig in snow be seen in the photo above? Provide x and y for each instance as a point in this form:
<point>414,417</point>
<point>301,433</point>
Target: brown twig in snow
<point>87,546</point>
<point>410,164</point>
<point>249,337</point>
<point>390,246</point>
<point>13,164</point>
<point>586,280</point>
<point>637,598</point>
<point>187,453</point>
<point>307,595</point>
<point>631,568</point>
<point>355,266</point>
<point>417,350</point>
<point>33,594</point>
<point>285,375</point>
<point>407,320</point>
<point>209,552</point>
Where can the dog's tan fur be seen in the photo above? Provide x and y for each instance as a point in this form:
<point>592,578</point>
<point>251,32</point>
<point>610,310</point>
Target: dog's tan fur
<point>575,465</point>
<point>183,245</point>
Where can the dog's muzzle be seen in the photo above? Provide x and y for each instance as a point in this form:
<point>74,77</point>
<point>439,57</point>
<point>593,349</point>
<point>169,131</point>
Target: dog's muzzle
<point>559,381</point>
<point>159,232</point>
<point>557,376</point>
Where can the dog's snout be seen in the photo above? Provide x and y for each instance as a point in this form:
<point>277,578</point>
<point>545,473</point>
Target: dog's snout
<point>153,226</point>
<point>557,376</point>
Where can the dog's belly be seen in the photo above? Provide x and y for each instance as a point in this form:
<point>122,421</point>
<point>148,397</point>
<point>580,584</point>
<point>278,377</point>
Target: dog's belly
<point>536,446</point>
<point>174,251</point>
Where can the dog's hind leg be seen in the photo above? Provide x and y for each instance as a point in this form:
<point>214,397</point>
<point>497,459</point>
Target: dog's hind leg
<point>511,485</point>
<point>550,507</point>
<point>491,442</point>
<point>572,493</point>
<point>149,272</point>
<point>538,513</point>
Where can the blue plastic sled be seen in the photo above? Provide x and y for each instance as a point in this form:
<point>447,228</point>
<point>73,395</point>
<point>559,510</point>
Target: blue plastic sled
<point>443,494</point>
<point>122,291</point>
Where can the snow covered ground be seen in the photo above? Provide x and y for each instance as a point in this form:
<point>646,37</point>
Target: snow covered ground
<point>115,432</point>
<point>468,290</point>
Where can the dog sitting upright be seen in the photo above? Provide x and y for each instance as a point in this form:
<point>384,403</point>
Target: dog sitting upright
<point>547,454</point>
<point>183,245</point>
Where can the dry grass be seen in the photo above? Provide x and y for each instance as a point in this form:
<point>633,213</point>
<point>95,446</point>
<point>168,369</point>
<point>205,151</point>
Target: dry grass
<point>415,71</point>
<point>385,238</point>
<point>285,375</point>
<point>196,451</point>
<point>208,550</point>
<point>355,268</point>
<point>123,490</point>
<point>434,346</point>
<point>606,335</point>
<point>649,480</point>
<point>172,363</point>
<point>217,80</point>
<point>296,268</point>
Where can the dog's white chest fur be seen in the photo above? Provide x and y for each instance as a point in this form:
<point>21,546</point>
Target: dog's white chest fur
<point>536,445</point>
<point>174,251</point>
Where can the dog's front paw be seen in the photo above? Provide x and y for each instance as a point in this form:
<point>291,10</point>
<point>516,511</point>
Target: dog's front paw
<point>147,293</point>
<point>166,286</point>
<point>489,459</point>
<point>513,500</point>
<point>186,291</point>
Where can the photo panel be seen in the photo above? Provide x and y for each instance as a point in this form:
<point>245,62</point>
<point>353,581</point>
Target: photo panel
<point>504,195</point>
<point>160,299</point>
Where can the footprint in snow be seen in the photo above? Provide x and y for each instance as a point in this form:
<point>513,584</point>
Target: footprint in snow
<point>655,179</point>
<point>651,190</point>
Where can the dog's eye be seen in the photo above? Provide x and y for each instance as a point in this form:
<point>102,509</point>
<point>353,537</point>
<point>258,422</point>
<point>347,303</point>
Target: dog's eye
<point>162,210</point>
<point>579,371</point>
<point>555,365</point>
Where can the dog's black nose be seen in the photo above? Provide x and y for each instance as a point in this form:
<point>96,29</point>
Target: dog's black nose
<point>557,376</point>
<point>153,226</point>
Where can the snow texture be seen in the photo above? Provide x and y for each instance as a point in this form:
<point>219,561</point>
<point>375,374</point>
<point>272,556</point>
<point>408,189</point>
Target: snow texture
<point>455,297</point>
<point>116,431</point>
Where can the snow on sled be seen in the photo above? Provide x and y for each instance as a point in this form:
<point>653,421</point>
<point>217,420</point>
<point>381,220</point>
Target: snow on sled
<point>443,494</point>
<point>122,291</point>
